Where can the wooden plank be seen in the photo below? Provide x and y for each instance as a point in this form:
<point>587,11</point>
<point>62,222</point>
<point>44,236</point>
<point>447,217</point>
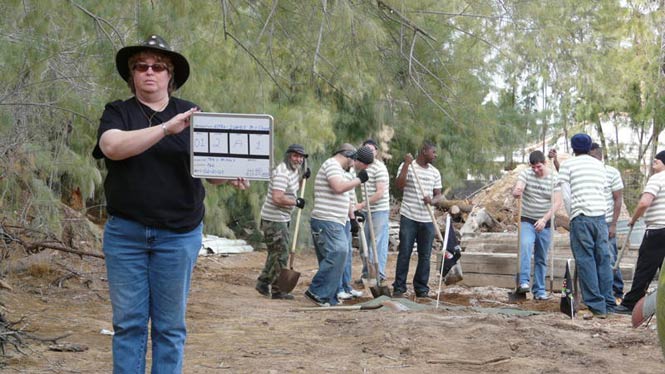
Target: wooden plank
<point>505,264</point>
<point>508,281</point>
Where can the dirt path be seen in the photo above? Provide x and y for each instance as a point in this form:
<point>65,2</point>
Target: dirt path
<point>232,329</point>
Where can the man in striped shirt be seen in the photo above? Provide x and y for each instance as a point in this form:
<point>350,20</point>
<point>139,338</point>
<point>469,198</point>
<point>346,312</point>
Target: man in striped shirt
<point>328,219</point>
<point>614,198</point>
<point>415,221</point>
<point>379,199</point>
<point>652,249</point>
<point>535,186</point>
<point>275,217</point>
<point>345,290</point>
<point>588,231</point>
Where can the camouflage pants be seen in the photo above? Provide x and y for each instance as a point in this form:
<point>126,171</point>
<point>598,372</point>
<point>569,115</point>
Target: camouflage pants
<point>276,236</point>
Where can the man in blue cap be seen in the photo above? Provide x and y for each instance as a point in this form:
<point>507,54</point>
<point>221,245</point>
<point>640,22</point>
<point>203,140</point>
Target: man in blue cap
<point>585,175</point>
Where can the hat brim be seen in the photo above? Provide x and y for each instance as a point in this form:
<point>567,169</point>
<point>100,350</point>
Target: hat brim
<point>303,154</point>
<point>180,64</point>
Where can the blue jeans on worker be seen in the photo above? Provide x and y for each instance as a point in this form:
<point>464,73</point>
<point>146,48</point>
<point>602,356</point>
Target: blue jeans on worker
<point>149,273</point>
<point>345,282</point>
<point>617,285</point>
<point>331,247</point>
<point>411,232</point>
<point>590,246</point>
<point>539,243</point>
<point>381,224</point>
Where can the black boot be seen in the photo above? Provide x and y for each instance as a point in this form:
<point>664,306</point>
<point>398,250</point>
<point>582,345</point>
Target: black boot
<point>262,288</point>
<point>282,296</point>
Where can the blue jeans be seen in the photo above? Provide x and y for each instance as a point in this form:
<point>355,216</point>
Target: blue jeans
<point>380,222</point>
<point>331,247</point>
<point>540,243</point>
<point>149,272</point>
<point>345,282</point>
<point>410,232</point>
<point>617,285</point>
<point>589,242</point>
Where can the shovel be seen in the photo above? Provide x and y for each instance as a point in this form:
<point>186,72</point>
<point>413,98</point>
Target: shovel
<point>615,267</point>
<point>378,290</point>
<point>516,296</point>
<point>288,278</point>
<point>370,282</point>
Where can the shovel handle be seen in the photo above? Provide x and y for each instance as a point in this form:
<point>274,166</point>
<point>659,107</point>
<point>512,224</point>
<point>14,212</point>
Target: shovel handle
<point>429,207</point>
<point>519,241</point>
<point>371,234</point>
<point>295,233</point>
<point>363,244</point>
<point>623,249</point>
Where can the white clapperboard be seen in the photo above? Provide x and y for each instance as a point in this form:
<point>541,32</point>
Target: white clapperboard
<point>230,146</point>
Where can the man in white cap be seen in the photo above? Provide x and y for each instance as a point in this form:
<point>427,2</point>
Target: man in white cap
<point>588,231</point>
<point>328,220</point>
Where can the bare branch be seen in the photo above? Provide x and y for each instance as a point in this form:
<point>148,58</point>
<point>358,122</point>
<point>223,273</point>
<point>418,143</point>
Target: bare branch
<point>318,42</point>
<point>272,12</point>
<point>257,61</point>
<point>403,20</point>
<point>100,21</point>
<point>53,107</point>
<point>58,247</point>
<point>459,14</point>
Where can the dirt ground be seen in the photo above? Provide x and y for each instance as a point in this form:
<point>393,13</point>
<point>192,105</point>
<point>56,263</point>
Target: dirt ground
<point>232,329</point>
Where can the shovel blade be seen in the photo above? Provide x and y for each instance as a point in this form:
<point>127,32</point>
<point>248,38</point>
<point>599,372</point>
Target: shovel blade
<point>378,291</point>
<point>515,296</point>
<point>287,280</point>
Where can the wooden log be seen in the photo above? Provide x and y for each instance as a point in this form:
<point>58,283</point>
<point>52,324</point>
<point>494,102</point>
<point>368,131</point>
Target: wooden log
<point>463,205</point>
<point>562,220</point>
<point>454,210</point>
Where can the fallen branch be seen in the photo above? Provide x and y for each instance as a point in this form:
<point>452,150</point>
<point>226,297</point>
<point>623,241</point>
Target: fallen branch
<point>469,362</point>
<point>47,340</point>
<point>35,246</point>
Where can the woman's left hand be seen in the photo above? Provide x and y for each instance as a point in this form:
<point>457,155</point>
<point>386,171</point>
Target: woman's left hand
<point>180,121</point>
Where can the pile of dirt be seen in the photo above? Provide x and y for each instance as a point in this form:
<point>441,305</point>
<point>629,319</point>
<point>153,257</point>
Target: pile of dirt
<point>497,200</point>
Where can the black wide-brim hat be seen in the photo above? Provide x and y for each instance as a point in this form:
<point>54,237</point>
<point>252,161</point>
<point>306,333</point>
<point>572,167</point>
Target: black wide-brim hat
<point>158,44</point>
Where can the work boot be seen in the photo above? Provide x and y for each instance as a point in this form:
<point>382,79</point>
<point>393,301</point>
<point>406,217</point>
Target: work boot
<point>398,294</point>
<point>313,298</point>
<point>262,288</point>
<point>282,296</point>
<point>622,309</point>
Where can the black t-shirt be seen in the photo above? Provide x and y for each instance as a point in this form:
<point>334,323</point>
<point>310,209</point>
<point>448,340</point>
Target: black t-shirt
<point>156,187</point>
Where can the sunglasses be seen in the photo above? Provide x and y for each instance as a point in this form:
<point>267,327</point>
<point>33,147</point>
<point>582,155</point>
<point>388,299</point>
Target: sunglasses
<point>143,67</point>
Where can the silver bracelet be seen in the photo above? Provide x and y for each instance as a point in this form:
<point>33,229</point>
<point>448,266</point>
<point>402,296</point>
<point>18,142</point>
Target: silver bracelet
<point>166,131</point>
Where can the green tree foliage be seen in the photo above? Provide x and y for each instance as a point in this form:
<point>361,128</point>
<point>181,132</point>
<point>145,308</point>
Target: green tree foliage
<point>328,71</point>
